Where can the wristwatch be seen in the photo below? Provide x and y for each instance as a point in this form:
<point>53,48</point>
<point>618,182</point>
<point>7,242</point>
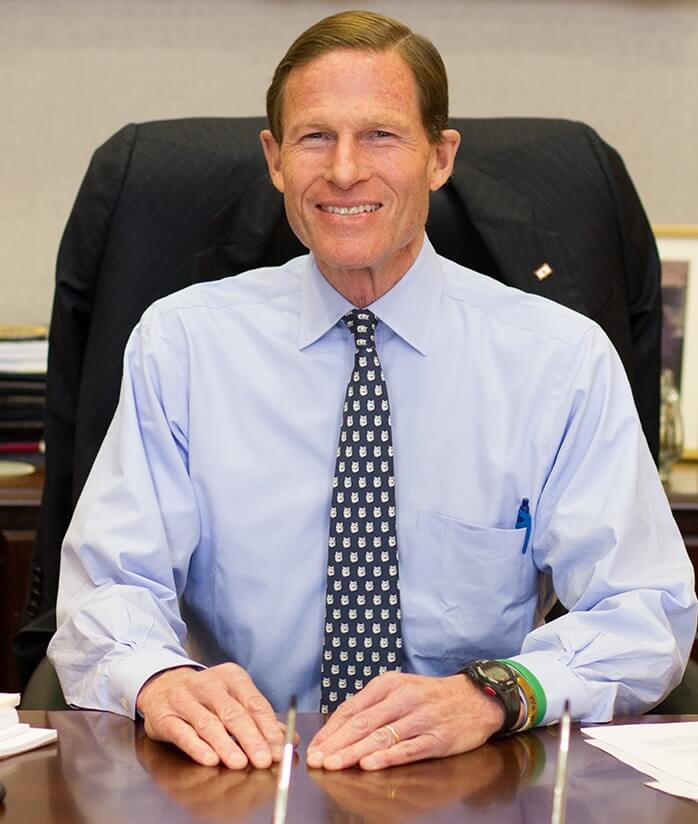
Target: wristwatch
<point>498,681</point>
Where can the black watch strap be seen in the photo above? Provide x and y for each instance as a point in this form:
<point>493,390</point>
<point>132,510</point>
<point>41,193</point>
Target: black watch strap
<point>498,680</point>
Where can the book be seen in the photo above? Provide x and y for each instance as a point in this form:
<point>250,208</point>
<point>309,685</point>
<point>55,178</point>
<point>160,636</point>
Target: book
<point>22,447</point>
<point>23,364</point>
<point>21,401</point>
<point>11,382</point>
<point>23,331</point>
<point>13,431</point>
<point>15,736</point>
<point>25,357</point>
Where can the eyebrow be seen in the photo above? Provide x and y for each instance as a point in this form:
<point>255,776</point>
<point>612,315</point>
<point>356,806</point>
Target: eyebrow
<point>387,124</point>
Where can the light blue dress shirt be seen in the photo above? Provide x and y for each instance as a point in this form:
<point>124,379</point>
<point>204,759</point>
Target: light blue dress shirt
<point>203,525</point>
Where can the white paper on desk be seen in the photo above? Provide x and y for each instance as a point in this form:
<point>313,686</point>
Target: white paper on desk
<point>678,788</point>
<point>664,781</point>
<point>25,741</point>
<point>667,752</point>
<point>12,731</point>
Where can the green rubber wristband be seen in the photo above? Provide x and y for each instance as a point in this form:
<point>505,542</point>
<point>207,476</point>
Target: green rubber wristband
<point>534,683</point>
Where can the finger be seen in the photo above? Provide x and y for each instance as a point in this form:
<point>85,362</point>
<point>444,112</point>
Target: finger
<point>200,708</point>
<point>234,720</point>
<point>251,719</point>
<point>211,729</point>
<point>414,749</point>
<point>207,748</point>
<point>382,738</point>
<point>367,725</point>
<point>346,711</point>
<point>296,737</point>
<point>373,693</point>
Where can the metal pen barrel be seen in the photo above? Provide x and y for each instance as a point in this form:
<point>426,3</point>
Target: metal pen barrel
<point>281,801</point>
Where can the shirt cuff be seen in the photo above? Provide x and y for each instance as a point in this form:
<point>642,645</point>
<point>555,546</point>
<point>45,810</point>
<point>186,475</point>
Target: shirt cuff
<point>560,683</point>
<point>131,673</point>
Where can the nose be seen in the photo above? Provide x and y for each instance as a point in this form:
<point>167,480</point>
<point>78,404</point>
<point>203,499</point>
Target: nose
<point>346,165</point>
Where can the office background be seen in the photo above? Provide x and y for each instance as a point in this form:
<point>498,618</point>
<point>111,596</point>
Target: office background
<point>73,72</point>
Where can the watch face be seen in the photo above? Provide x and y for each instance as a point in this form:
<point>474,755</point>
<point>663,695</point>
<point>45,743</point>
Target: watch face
<point>498,672</point>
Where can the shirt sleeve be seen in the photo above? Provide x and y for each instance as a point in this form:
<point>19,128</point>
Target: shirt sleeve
<point>126,554</point>
<point>604,532</point>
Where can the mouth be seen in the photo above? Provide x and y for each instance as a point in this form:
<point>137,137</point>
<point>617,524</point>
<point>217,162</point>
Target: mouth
<point>359,209</point>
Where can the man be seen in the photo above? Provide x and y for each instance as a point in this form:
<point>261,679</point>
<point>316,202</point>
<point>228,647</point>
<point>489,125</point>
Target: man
<point>518,461</point>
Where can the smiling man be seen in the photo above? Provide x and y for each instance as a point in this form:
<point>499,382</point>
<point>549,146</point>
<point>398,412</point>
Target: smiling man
<point>355,164</point>
<point>355,477</point>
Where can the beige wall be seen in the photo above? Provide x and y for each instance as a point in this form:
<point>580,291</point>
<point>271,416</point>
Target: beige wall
<point>74,71</point>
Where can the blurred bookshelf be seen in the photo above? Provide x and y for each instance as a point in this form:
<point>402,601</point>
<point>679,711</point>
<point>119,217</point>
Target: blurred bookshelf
<point>23,362</point>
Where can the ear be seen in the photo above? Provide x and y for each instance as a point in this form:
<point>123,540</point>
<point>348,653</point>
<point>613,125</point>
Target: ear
<point>444,156</point>
<point>272,153</point>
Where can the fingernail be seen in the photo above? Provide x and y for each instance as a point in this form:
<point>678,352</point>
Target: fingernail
<point>277,752</point>
<point>210,759</point>
<point>369,763</point>
<point>334,762</point>
<point>315,758</point>
<point>261,758</point>
<point>238,761</point>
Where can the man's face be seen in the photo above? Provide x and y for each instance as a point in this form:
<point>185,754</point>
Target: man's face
<point>355,165</point>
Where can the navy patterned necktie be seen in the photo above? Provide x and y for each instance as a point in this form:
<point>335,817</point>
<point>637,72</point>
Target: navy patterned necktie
<point>362,608</point>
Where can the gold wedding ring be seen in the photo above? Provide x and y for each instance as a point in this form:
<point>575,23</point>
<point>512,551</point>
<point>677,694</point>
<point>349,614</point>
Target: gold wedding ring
<point>393,733</point>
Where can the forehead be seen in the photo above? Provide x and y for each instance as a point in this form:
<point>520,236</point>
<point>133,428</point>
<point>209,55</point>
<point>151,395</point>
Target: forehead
<point>363,84</point>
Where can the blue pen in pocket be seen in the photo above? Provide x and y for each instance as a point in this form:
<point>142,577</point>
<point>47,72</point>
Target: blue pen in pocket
<point>523,519</point>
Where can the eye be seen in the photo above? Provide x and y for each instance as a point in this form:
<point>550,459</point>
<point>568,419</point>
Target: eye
<point>381,133</point>
<point>315,136</point>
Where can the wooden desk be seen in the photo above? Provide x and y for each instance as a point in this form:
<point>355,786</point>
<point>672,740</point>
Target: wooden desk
<point>105,770</point>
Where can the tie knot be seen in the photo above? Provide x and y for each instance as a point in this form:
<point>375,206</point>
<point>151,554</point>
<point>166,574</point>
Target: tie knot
<point>362,323</point>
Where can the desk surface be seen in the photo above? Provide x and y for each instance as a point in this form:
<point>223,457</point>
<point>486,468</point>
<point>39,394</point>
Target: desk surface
<point>105,770</point>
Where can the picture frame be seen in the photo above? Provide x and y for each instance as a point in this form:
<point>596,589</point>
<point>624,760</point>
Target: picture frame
<point>678,251</point>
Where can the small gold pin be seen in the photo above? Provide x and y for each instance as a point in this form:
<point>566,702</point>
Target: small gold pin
<point>543,271</point>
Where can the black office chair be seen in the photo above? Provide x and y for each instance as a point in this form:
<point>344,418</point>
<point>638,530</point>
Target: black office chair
<point>167,204</point>
<point>43,692</point>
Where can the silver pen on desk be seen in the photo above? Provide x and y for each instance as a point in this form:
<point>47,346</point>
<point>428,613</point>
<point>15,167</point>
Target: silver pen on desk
<point>285,769</point>
<point>560,788</point>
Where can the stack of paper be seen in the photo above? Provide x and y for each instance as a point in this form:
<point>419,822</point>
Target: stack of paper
<point>667,752</point>
<point>29,357</point>
<point>16,737</point>
<point>23,364</point>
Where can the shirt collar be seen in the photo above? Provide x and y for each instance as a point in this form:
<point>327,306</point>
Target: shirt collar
<point>409,308</point>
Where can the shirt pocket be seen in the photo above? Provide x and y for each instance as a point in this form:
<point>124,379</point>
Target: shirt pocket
<point>470,591</point>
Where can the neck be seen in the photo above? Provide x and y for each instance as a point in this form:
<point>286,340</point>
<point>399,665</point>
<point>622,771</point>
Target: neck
<point>364,285</point>
<point>360,287</point>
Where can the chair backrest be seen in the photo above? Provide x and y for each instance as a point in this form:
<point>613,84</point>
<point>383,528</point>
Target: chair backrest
<point>169,203</point>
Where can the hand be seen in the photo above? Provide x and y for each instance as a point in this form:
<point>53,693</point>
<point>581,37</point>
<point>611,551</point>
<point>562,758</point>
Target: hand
<point>199,711</point>
<point>433,717</point>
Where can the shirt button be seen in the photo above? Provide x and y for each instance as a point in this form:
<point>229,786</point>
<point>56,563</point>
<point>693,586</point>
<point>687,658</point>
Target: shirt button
<point>124,703</point>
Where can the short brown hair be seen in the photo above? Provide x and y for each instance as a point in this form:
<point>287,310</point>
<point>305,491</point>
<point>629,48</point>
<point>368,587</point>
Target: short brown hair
<point>368,31</point>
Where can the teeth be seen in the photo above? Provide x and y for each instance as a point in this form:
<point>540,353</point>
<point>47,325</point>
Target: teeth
<point>351,210</point>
